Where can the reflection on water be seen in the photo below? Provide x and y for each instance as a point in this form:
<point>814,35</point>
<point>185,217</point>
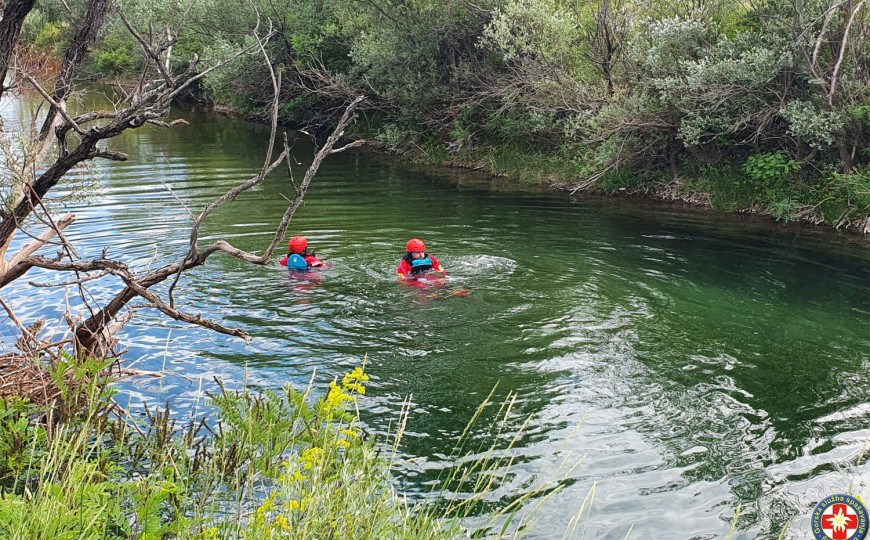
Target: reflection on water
<point>696,361</point>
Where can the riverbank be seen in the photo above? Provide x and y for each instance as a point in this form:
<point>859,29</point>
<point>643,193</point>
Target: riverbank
<point>720,190</point>
<point>714,189</point>
<point>278,464</point>
<point>510,170</point>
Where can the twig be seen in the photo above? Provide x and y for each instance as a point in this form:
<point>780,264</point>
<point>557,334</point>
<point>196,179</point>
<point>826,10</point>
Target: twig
<point>67,283</point>
<point>53,103</point>
<point>24,331</point>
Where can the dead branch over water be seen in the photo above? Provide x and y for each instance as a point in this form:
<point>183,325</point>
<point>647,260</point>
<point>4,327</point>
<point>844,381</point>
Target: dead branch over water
<point>80,138</point>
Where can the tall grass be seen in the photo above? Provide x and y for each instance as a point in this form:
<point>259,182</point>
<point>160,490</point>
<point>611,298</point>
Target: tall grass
<point>280,464</point>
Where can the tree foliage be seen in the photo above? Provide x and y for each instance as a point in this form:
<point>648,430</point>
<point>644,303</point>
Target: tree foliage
<point>652,89</point>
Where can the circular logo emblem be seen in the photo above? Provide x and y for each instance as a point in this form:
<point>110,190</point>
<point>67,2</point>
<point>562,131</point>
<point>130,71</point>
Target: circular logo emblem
<point>839,517</point>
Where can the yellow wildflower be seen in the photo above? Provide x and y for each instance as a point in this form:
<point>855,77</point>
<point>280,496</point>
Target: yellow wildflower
<point>336,396</point>
<point>299,505</point>
<point>262,510</point>
<point>353,381</point>
<point>358,374</point>
<point>343,444</point>
<point>355,388</point>
<point>312,454</point>
<point>350,433</point>
<point>310,457</point>
<point>282,522</point>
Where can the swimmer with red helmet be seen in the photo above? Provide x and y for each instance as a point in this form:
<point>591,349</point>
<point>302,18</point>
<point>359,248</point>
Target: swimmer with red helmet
<point>421,270</point>
<point>300,257</point>
<point>417,262</point>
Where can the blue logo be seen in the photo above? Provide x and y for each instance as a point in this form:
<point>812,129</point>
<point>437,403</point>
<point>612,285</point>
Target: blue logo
<point>839,517</point>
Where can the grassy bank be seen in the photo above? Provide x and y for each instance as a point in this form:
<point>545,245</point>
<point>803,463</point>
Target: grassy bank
<point>766,186</point>
<point>286,464</point>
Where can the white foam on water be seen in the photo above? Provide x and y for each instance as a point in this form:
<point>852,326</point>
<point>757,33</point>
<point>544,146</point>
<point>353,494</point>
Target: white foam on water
<point>490,266</point>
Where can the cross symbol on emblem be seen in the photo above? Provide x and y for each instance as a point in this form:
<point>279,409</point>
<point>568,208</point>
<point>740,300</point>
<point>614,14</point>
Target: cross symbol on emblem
<point>839,522</point>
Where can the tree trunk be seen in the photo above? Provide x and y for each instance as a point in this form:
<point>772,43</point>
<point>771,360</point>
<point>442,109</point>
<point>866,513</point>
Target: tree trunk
<point>10,27</point>
<point>84,38</point>
<point>90,335</point>
<point>846,158</point>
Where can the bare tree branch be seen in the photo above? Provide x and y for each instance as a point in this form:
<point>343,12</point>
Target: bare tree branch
<point>150,51</point>
<point>843,45</point>
<point>327,149</point>
<point>16,266</point>
<point>24,331</point>
<point>69,282</point>
<point>60,109</point>
<point>146,107</point>
<point>90,332</point>
<point>121,270</point>
<point>829,14</point>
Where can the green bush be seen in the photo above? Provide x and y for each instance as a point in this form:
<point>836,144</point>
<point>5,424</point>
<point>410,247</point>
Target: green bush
<point>42,31</point>
<point>844,197</point>
<point>508,128</point>
<point>18,438</point>
<point>47,37</point>
<point>115,57</point>
<point>861,113</point>
<point>394,136</point>
<point>771,176</point>
<point>770,169</point>
<point>729,189</point>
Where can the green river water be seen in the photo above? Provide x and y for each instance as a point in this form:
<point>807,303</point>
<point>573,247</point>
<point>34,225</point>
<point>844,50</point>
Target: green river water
<point>696,362</point>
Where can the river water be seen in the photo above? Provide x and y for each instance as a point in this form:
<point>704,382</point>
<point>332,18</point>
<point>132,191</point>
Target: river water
<point>695,362</point>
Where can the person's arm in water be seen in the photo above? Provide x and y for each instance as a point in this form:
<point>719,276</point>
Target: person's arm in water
<point>436,266</point>
<point>313,261</point>
<point>403,269</point>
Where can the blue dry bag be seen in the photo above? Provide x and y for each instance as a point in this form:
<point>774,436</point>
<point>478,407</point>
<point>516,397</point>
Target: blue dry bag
<point>296,262</point>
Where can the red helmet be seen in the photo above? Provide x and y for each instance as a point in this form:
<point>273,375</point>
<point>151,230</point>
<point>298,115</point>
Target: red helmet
<point>297,244</point>
<point>415,244</point>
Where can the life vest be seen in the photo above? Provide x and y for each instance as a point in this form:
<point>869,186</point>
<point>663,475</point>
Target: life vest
<point>418,266</point>
<point>297,262</point>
